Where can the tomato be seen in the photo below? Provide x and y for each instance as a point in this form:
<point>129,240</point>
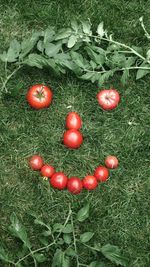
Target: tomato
<point>36,162</point>
<point>72,139</point>
<point>101,173</point>
<point>108,99</point>
<point>73,121</point>
<point>111,162</point>
<point>39,96</point>
<point>90,182</point>
<point>74,185</point>
<point>47,171</point>
<point>59,180</point>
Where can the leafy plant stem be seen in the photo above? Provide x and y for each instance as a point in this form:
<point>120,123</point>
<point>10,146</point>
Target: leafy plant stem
<point>9,77</point>
<point>130,68</point>
<point>74,242</point>
<point>49,245</point>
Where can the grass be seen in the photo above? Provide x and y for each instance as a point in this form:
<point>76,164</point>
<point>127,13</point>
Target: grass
<point>119,210</point>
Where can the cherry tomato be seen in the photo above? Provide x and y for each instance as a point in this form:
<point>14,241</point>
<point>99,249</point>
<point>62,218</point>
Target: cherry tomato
<point>59,180</point>
<point>111,162</point>
<point>101,173</point>
<point>90,182</point>
<point>36,162</point>
<point>39,96</point>
<point>72,139</point>
<point>108,99</point>
<point>47,171</point>
<point>74,185</point>
<point>73,121</point>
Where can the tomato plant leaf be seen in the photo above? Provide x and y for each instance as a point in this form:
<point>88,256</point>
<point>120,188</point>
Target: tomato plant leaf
<point>58,258</point>
<point>40,46</point>
<point>105,76</point>
<point>57,227</point>
<point>52,49</point>
<point>97,264</point>
<point>113,254</point>
<point>79,60</point>
<point>66,262</point>
<point>28,44</point>
<point>70,252</point>
<point>67,238</point>
<point>19,230</point>
<point>67,229</point>
<point>72,41</point>
<point>13,51</point>
<point>46,233</point>
<point>49,35</point>
<point>100,29</point>
<point>3,56</point>
<point>125,76</point>
<point>63,33</point>
<point>83,213</point>
<point>148,55</point>
<point>74,25</point>
<point>4,256</point>
<point>40,257</point>
<point>86,25</point>
<point>86,237</point>
<point>142,72</point>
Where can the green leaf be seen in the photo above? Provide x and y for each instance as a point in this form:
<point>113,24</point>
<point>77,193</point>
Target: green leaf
<point>28,44</point>
<point>125,76</point>
<point>39,221</point>
<point>67,238</point>
<point>86,237</point>
<point>142,72</point>
<point>83,213</point>
<point>99,57</point>
<point>118,60</point>
<point>104,77</point>
<point>86,27</point>
<point>130,61</point>
<point>58,258</point>
<point>43,241</point>
<point>49,35</point>
<point>148,55</point>
<point>70,252</point>
<point>40,257</point>
<point>40,46</point>
<point>3,56</point>
<point>74,25</point>
<point>114,255</point>
<point>67,229</point>
<point>97,264</point>
<point>15,91</point>
<point>52,49</point>
<point>57,227</point>
<point>66,262</point>
<point>36,60</point>
<point>19,230</point>
<point>100,29</point>
<point>13,51</point>
<point>72,41</point>
<point>79,60</point>
<point>4,255</point>
<point>47,233</point>
<point>63,33</point>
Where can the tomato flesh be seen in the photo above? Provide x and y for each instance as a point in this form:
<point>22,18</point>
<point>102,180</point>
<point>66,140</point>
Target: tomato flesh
<point>39,96</point>
<point>101,173</point>
<point>108,99</point>
<point>74,185</point>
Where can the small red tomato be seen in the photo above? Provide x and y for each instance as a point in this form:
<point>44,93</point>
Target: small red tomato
<point>101,173</point>
<point>74,185</point>
<point>47,171</point>
<point>108,99</point>
<point>111,162</point>
<point>39,96</point>
<point>36,162</point>
<point>73,121</point>
<point>90,182</point>
<point>59,180</point>
<point>72,139</point>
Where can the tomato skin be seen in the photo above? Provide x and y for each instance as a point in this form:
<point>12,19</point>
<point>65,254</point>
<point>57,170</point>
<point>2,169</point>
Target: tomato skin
<point>59,180</point>
<point>111,162</point>
<point>47,170</point>
<point>90,182</point>
<point>74,185</point>
<point>72,139</point>
<point>108,99</point>
<point>101,173</point>
<point>73,121</point>
<point>39,96</point>
<point>36,162</point>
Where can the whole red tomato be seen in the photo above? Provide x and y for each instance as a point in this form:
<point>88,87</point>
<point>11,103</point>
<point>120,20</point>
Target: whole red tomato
<point>36,162</point>
<point>90,182</point>
<point>74,185</point>
<point>39,96</point>
<point>111,162</point>
<point>59,180</point>
<point>108,99</point>
<point>72,139</point>
<point>73,121</point>
<point>47,171</point>
<point>101,173</point>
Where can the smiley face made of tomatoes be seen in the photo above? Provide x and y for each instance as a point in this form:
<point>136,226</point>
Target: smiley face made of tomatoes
<point>40,96</point>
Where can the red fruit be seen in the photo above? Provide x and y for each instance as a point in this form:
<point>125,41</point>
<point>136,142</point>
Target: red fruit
<point>47,171</point>
<point>73,121</point>
<point>74,185</point>
<point>36,162</point>
<point>59,180</point>
<point>39,96</point>
<point>108,99</point>
<point>72,139</point>
<point>101,173</point>
<point>90,182</point>
<point>111,162</point>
